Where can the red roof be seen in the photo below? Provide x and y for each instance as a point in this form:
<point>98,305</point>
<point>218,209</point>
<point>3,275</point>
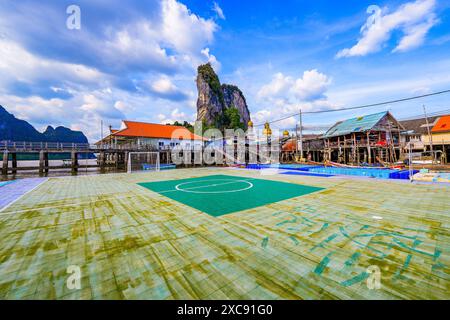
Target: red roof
<point>442,125</point>
<point>154,130</point>
<point>289,145</point>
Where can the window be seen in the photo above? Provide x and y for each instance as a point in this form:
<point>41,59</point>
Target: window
<point>161,143</point>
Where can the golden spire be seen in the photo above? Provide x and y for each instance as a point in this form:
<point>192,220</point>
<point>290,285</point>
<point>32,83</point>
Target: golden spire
<point>267,131</point>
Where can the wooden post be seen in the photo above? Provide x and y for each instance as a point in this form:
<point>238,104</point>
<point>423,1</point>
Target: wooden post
<point>329,150</point>
<point>369,154</point>
<point>5,163</point>
<point>125,160</point>
<point>345,149</point>
<point>444,152</point>
<point>339,147</point>
<point>116,159</point>
<point>102,159</point>
<point>41,162</point>
<point>46,169</point>
<point>14,162</point>
<point>74,160</point>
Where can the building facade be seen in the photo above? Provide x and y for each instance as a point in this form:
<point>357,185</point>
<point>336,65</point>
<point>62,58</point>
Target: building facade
<point>366,139</point>
<point>150,136</point>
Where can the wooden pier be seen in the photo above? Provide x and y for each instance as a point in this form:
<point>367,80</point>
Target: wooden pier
<point>107,157</point>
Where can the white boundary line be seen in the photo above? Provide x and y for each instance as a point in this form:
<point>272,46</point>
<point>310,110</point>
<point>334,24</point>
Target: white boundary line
<point>250,185</point>
<point>86,202</point>
<point>21,196</point>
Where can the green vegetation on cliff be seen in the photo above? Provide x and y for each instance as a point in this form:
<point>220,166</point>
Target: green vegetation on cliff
<point>207,72</point>
<point>232,119</point>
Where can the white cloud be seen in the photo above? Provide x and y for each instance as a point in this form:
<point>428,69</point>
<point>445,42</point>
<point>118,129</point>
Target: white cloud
<point>138,44</point>
<point>285,95</point>
<point>122,106</point>
<point>175,115</point>
<point>164,88</point>
<point>312,85</point>
<point>279,85</point>
<point>159,53</point>
<point>211,59</point>
<point>414,35</point>
<point>218,10</point>
<point>178,38</point>
<point>17,64</point>
<point>414,19</point>
<point>183,30</point>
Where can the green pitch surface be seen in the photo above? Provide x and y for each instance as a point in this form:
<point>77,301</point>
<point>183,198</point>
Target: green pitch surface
<point>222,194</point>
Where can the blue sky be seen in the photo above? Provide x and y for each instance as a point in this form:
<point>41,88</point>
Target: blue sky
<point>138,60</point>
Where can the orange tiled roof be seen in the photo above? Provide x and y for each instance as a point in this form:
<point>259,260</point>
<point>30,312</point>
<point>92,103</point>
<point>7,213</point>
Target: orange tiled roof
<point>154,130</point>
<point>442,125</point>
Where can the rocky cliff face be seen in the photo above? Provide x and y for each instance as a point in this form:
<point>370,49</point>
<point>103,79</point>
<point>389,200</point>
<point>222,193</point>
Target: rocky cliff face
<point>233,97</point>
<point>214,99</point>
<point>210,98</point>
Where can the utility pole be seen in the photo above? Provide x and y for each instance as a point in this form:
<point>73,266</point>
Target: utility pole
<point>428,129</point>
<point>101,126</point>
<point>301,135</point>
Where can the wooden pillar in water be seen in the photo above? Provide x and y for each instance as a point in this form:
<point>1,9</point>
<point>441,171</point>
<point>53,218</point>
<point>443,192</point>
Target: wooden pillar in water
<point>74,158</point>
<point>101,157</point>
<point>14,162</point>
<point>125,160</point>
<point>444,152</point>
<point>41,162</point>
<point>46,169</point>
<point>116,159</point>
<point>5,163</point>
<point>345,149</point>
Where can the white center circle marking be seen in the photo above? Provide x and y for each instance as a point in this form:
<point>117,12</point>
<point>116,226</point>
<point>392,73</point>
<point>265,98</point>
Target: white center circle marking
<point>195,189</point>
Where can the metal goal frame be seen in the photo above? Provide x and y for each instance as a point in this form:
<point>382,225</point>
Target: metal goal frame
<point>157,164</point>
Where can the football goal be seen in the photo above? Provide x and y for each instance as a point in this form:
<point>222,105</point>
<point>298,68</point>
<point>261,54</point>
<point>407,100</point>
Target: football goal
<point>143,161</point>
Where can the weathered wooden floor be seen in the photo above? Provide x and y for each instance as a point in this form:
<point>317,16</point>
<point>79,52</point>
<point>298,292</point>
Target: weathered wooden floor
<point>132,243</point>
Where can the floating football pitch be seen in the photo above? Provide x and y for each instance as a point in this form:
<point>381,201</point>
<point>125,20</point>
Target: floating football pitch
<point>217,195</point>
<point>131,242</point>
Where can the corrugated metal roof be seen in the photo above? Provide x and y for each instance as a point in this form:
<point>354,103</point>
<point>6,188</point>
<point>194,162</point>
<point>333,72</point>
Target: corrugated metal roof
<point>358,124</point>
<point>419,126</point>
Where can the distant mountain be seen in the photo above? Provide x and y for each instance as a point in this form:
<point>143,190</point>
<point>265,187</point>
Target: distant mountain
<point>63,134</point>
<point>14,129</point>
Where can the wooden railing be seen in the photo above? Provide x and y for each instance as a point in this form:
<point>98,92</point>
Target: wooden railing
<point>37,146</point>
<point>22,146</point>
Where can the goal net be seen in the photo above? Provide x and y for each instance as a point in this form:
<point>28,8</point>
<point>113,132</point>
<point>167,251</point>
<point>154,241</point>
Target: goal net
<point>143,161</point>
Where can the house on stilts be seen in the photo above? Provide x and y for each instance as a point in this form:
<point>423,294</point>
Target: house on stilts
<point>366,139</point>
